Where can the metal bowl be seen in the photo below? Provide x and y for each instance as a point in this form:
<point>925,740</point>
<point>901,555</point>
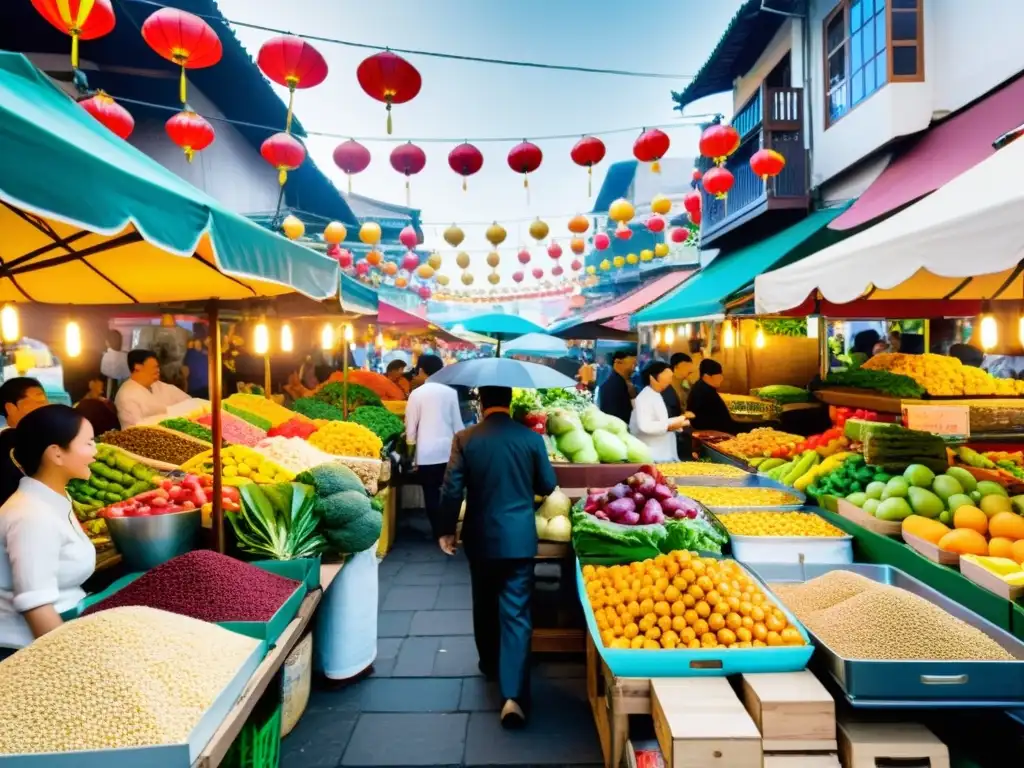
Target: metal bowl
<point>146,542</point>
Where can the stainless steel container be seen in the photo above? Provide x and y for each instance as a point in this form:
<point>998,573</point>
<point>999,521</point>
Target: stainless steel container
<point>146,542</point>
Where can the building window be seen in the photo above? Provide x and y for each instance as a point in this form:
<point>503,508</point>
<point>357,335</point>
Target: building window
<point>869,43</point>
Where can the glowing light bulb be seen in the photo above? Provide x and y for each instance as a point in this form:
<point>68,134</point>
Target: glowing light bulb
<point>349,334</point>
<point>287,341</point>
<point>327,337</point>
<point>1020,329</point>
<point>380,340</point>
<point>657,338</point>
<point>989,332</point>
<point>812,326</point>
<point>9,329</point>
<point>670,336</point>
<point>73,339</point>
<point>728,336</point>
<point>759,338</point>
<point>261,339</point>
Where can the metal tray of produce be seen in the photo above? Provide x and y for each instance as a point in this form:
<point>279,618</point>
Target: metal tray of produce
<point>834,550</point>
<point>761,482</point>
<point>898,684</point>
<point>721,457</point>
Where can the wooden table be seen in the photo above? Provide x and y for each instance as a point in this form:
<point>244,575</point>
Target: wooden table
<point>556,639</point>
<point>225,736</point>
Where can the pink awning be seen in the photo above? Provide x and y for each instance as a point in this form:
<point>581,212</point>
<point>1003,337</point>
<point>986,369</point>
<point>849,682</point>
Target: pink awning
<point>389,314</point>
<point>944,152</point>
<point>639,299</point>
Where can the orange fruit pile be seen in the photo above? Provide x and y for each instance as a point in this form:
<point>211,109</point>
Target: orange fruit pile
<point>682,600</point>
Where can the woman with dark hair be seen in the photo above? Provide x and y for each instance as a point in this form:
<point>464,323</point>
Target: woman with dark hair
<point>45,556</point>
<point>650,422</point>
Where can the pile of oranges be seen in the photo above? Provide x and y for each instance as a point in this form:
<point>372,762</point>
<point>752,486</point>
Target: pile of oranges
<point>682,600</point>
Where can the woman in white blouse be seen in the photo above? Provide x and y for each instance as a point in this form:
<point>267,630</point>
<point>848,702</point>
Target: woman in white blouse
<point>650,422</point>
<point>45,555</point>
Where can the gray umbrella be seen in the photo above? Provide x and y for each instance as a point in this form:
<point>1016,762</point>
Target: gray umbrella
<point>502,372</point>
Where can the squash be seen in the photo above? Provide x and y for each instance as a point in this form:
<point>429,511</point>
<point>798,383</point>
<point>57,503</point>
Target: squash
<point>964,541</point>
<point>1007,525</point>
<point>925,528</point>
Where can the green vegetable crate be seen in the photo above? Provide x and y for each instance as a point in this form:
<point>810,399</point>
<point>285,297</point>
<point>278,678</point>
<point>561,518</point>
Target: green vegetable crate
<point>259,743</point>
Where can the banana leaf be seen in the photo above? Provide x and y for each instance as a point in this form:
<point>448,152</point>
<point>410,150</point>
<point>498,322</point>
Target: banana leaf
<point>277,521</point>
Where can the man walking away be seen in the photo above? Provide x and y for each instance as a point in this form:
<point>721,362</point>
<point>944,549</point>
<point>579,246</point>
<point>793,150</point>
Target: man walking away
<point>615,397</point>
<point>432,419</point>
<point>499,465</point>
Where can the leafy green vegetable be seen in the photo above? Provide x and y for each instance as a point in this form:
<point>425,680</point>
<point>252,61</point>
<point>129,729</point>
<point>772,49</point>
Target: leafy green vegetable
<point>190,428</point>
<point>893,384</point>
<point>312,408</point>
<point>278,521</point>
<point>358,395</point>
<point>595,539</point>
<point>382,422</point>
<point>523,402</point>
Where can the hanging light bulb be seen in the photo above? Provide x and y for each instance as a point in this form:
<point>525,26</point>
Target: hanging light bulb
<point>989,331</point>
<point>9,329</point>
<point>261,338</point>
<point>349,334</point>
<point>657,338</point>
<point>688,331</point>
<point>287,342</point>
<point>759,338</point>
<point>812,326</point>
<point>380,340</point>
<point>1020,329</point>
<point>670,336</point>
<point>327,337</point>
<point>728,336</point>
<point>73,339</point>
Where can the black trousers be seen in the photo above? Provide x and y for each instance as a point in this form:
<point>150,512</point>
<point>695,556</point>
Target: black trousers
<point>502,623</point>
<point>431,478</point>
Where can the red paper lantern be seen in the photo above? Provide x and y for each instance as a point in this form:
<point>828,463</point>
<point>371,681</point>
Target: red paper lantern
<point>679,234</point>
<point>389,78</point>
<point>718,142</point>
<point>588,152</point>
<point>525,158</point>
<point>352,158</point>
<point>293,63</point>
<point>767,163</point>
<point>184,39</point>
<point>81,19</point>
<point>650,147</point>
<point>410,240</point>
<point>362,269</point>
<point>692,202</point>
<point>696,174</point>
<point>576,265</point>
<point>518,276</point>
<point>602,241</point>
<point>718,181</point>
<point>465,160</point>
<point>408,159</point>
<point>555,251</point>
<point>285,153</point>
<point>622,232</point>
<point>424,292</point>
<point>523,256</point>
<point>107,111</point>
<point>190,132</point>
<point>410,261</point>
<point>538,273</point>
<point>695,217</point>
<point>656,224</point>
<point>557,270</point>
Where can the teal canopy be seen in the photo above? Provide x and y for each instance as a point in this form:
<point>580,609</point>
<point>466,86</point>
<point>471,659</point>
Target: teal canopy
<point>705,293</point>
<point>500,327</point>
<point>88,219</point>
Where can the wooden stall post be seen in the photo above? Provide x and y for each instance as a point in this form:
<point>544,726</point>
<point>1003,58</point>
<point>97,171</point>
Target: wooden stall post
<point>213,313</point>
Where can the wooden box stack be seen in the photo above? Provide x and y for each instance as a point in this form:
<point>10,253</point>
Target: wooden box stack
<point>795,717</point>
<point>866,745</point>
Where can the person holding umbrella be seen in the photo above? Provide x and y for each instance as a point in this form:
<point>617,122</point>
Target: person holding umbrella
<point>499,466</point>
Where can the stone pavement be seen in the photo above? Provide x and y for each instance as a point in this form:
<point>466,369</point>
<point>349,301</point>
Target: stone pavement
<point>426,703</point>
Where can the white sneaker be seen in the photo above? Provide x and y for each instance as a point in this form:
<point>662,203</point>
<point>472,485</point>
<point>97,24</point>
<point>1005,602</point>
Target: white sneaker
<point>512,716</point>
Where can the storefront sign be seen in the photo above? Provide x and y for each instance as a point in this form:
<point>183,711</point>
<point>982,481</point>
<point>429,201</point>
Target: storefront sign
<point>946,420</point>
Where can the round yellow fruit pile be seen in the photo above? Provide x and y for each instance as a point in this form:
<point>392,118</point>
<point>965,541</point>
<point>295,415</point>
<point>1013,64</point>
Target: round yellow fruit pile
<point>700,469</point>
<point>714,496</point>
<point>759,442</point>
<point>682,600</point>
<point>942,375</point>
<point>778,524</point>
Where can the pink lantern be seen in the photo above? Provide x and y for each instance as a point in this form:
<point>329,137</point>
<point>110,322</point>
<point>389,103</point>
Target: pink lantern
<point>410,261</point>
<point>656,224</point>
<point>518,277</point>
<point>557,270</point>
<point>538,273</point>
<point>622,232</point>
<point>679,234</point>
<point>344,258</point>
<point>408,238</point>
<point>424,292</point>
<point>555,251</point>
<point>576,265</point>
<point>523,256</point>
<point>363,268</point>
<point>334,251</point>
<point>602,241</point>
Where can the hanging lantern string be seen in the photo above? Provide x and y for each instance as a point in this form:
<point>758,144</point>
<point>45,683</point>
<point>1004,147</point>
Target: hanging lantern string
<point>431,54</point>
<point>684,122</point>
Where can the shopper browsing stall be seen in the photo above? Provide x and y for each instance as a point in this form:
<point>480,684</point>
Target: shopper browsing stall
<point>650,422</point>
<point>615,396</point>
<point>709,409</point>
<point>144,395</point>
<point>396,375</point>
<point>45,556</point>
<point>18,397</point>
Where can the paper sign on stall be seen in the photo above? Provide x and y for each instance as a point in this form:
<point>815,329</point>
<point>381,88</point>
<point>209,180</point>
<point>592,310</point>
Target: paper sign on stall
<point>951,421</point>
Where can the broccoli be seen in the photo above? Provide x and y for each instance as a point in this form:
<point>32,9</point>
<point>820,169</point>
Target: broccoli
<point>340,509</point>
<point>332,478</point>
<point>358,535</point>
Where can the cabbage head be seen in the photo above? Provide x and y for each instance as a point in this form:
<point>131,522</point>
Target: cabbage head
<point>637,451</point>
<point>616,426</point>
<point>587,456</point>
<point>594,418</point>
<point>562,422</point>
<point>609,447</point>
<point>574,442</point>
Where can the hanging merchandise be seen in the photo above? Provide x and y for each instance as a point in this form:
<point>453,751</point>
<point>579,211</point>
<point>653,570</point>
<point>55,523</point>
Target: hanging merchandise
<point>576,265</point>
<point>518,277</point>
<point>557,270</point>
<point>408,159</point>
<point>692,202</point>
<point>539,230</point>
<point>335,232</point>
<point>579,224</point>
<point>389,268</point>
<point>631,259</point>
<point>352,158</point>
<point>718,181</point>
<point>424,272</point>
<point>293,227</point>
<point>369,233</point>
<point>81,19</point>
<point>767,163</point>
<point>465,160</point>
<point>389,78</point>
<point>182,38</point>
<point>401,282</point>
<point>660,250</point>
<point>410,261</point>
<point>591,270</point>
<point>494,278</point>
<point>622,212</point>
<point>409,238</point>
<point>577,245</point>
<point>588,152</point>
<point>605,265</point>
<point>525,158</point>
<point>344,257</point>
<point>424,292</point>
<point>285,153</point>
<point>618,262</point>
<point>523,256</point>
<point>646,255</point>
<point>496,234</point>
<point>696,175</point>
<point>454,236</point>
<point>660,204</point>
<point>434,260</point>
<point>602,241</point>
<point>467,278</point>
<point>190,132</point>
<point>718,142</point>
<point>650,147</point>
<point>374,257</point>
<point>538,273</point>
<point>442,280</point>
<point>462,260</point>
<point>622,232</point>
<point>294,63</point>
<point>679,234</point>
<point>110,114</point>
<point>493,259</point>
<point>656,224</point>
<point>555,251</point>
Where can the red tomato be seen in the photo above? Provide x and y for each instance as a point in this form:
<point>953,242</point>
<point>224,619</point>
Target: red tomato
<point>188,504</point>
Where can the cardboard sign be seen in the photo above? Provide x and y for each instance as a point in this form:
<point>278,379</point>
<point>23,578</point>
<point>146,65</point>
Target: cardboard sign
<point>946,420</point>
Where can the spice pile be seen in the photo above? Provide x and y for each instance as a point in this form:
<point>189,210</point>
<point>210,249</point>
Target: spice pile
<point>700,469</point>
<point>711,496</point>
<point>861,619</point>
<point>154,444</point>
<point>132,677</point>
<point>235,430</point>
<point>208,586</point>
<point>292,453</point>
<point>190,428</point>
<point>343,438</point>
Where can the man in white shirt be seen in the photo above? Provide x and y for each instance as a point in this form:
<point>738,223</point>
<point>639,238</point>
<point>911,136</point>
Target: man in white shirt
<point>432,418</point>
<point>144,395</point>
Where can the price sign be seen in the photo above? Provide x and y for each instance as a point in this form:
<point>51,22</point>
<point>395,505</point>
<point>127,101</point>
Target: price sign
<point>946,420</point>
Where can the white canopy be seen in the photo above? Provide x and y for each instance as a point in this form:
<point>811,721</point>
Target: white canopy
<point>972,226</point>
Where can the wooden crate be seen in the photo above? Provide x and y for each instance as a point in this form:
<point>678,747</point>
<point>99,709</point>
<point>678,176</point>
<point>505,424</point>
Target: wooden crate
<point>792,710</point>
<point>700,723</point>
<point>863,745</point>
<point>798,760</point>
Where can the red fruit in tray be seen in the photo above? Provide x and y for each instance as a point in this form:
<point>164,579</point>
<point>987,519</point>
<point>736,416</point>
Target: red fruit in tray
<point>188,504</point>
<point>167,484</point>
<point>159,501</point>
<point>175,493</point>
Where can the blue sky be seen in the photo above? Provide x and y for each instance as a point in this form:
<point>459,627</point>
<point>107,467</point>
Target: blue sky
<point>463,99</point>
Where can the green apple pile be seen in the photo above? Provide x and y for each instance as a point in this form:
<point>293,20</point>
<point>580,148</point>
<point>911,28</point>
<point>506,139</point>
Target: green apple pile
<point>919,491</point>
